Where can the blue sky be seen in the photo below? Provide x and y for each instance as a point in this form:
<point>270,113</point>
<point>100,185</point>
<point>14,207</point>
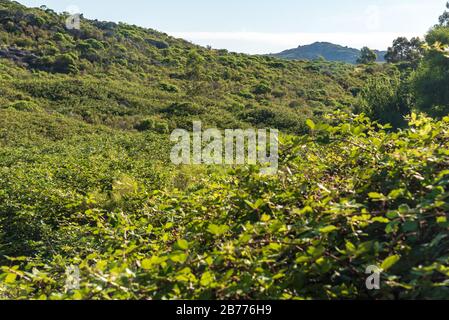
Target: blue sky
<point>264,26</point>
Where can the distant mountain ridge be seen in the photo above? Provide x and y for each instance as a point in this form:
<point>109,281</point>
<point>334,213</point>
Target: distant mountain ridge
<point>326,50</point>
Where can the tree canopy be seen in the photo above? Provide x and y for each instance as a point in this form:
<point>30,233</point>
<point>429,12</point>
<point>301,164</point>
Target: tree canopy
<point>404,50</point>
<point>367,56</point>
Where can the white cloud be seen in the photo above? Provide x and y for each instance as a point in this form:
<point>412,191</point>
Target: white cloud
<point>259,42</point>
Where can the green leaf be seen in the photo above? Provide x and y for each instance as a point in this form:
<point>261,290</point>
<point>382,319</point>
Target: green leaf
<point>101,265</point>
<point>380,220</point>
<point>182,244</point>
<point>328,229</point>
<point>404,209</point>
<point>311,124</point>
<point>305,210</point>
<point>392,215</point>
<point>169,225</point>
<point>395,194</point>
<point>390,262</point>
<point>441,220</point>
<point>392,227</point>
<point>275,246</point>
<point>278,276</point>
<point>350,246</point>
<point>185,275</point>
<point>410,226</point>
<point>178,257</point>
<point>148,264</point>
<point>376,196</point>
<point>207,279</point>
<point>302,259</point>
<point>259,203</point>
<point>10,278</point>
<point>217,230</point>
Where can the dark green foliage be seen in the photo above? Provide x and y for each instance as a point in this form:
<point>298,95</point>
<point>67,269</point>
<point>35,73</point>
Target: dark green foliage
<point>24,106</point>
<point>153,124</point>
<point>444,18</point>
<point>195,65</point>
<point>64,63</point>
<point>387,100</point>
<point>404,50</point>
<point>262,88</point>
<point>245,94</point>
<point>367,56</point>
<point>185,109</point>
<point>431,80</point>
<point>169,87</point>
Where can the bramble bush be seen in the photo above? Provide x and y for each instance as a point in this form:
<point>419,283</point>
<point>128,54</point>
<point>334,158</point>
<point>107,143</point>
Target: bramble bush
<point>348,195</point>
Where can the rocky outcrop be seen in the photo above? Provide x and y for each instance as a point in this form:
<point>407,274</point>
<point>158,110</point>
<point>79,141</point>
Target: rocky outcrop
<point>19,56</point>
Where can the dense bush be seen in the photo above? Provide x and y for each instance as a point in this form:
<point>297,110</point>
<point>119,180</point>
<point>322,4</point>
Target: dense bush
<point>387,100</point>
<point>24,106</point>
<point>350,196</point>
<point>169,87</point>
<point>153,124</point>
<point>262,88</point>
<point>185,109</point>
<point>431,80</point>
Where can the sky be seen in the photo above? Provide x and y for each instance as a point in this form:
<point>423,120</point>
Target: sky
<point>267,26</point>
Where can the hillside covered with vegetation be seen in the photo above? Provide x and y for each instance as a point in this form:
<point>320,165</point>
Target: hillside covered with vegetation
<point>327,51</point>
<point>120,75</point>
<point>86,179</point>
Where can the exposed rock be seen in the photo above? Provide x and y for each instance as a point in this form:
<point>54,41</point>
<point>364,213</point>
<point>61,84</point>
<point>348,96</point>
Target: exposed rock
<point>157,43</point>
<point>19,56</point>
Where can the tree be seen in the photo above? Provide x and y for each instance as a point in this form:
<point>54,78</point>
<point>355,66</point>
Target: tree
<point>404,50</point>
<point>386,99</point>
<point>65,63</point>
<point>194,66</point>
<point>431,80</point>
<point>367,56</point>
<point>444,18</point>
<point>262,88</point>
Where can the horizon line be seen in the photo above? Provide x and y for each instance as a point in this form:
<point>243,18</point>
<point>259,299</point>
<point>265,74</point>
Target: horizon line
<point>289,40</point>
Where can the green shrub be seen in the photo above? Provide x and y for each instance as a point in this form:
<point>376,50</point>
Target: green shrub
<point>386,100</point>
<point>168,87</point>
<point>246,94</point>
<point>431,80</point>
<point>184,109</point>
<point>262,88</point>
<point>28,106</point>
<point>61,63</point>
<point>351,195</point>
<point>153,124</point>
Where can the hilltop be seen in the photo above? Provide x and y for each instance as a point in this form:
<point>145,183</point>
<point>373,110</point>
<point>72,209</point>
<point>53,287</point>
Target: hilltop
<point>326,50</point>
